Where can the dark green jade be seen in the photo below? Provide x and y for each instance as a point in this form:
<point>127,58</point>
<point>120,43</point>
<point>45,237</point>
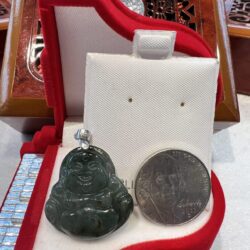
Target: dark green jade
<point>88,200</point>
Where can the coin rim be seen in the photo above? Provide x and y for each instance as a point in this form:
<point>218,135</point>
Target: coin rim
<point>203,207</point>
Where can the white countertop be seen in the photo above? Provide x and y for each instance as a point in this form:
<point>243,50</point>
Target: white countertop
<point>231,156</point>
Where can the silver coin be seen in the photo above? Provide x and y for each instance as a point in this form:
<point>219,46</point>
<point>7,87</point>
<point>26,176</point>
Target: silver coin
<point>135,5</point>
<point>172,187</point>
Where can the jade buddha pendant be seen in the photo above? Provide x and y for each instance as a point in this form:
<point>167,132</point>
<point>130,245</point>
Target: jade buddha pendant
<point>88,200</point>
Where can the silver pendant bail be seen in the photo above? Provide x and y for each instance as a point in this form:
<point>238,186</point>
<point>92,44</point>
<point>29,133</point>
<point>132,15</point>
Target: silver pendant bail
<point>83,136</point>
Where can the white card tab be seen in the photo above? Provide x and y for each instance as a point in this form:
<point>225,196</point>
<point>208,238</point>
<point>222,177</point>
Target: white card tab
<point>153,44</point>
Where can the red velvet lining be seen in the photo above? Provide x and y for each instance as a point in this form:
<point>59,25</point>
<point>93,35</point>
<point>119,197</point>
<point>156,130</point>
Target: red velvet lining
<point>41,139</point>
<point>31,221</point>
<point>124,22</point>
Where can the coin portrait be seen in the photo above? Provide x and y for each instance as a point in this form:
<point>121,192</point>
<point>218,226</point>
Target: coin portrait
<point>172,187</point>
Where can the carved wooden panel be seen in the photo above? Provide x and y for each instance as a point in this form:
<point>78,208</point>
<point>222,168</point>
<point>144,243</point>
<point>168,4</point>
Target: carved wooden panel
<point>181,11</point>
<point>28,80</point>
<point>239,18</point>
<point>4,13</point>
<point>4,9</point>
<point>195,14</point>
<point>240,12</point>
<point>35,49</point>
<point>21,80</point>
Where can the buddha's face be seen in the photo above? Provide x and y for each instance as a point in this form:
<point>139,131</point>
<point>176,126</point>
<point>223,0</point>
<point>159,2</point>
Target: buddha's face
<point>86,174</point>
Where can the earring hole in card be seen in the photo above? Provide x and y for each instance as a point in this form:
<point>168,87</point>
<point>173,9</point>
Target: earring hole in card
<point>130,99</point>
<point>182,104</point>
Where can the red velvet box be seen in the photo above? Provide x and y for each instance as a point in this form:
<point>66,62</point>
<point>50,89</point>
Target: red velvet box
<point>123,22</point>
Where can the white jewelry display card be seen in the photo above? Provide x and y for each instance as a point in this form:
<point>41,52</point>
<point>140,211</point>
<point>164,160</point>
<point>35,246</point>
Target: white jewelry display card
<point>136,107</point>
